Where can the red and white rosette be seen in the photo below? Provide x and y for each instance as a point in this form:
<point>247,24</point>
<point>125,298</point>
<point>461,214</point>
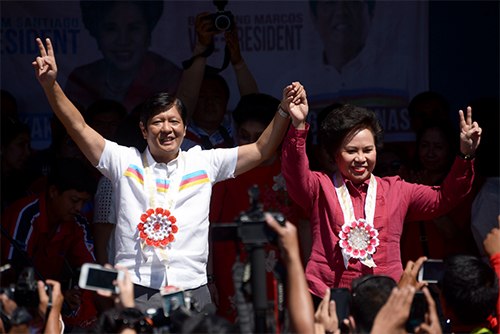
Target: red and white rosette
<point>359,240</point>
<point>157,228</point>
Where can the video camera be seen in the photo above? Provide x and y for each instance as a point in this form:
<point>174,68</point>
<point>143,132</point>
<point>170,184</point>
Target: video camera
<point>179,308</point>
<point>25,291</point>
<point>223,20</point>
<point>252,226</point>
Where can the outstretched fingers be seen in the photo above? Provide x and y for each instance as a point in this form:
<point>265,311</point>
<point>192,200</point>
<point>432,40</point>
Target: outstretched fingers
<point>465,119</point>
<point>50,49</point>
<point>41,47</point>
<point>469,116</point>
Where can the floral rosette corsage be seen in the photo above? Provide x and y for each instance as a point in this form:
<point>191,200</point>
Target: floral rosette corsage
<point>358,239</point>
<point>157,227</point>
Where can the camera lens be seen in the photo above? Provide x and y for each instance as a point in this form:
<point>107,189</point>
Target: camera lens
<point>222,22</point>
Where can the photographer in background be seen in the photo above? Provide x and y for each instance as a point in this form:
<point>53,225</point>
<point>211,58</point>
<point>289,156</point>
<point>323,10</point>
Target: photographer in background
<point>209,123</point>
<point>44,317</point>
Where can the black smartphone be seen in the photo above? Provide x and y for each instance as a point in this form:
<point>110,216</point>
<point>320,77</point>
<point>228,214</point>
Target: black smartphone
<point>342,298</point>
<point>417,311</point>
<point>432,271</point>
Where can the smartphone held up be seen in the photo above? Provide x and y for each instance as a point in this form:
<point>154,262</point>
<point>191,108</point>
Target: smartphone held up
<point>96,277</point>
<point>432,271</point>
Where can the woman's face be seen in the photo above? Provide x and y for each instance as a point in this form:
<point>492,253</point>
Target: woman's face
<point>357,156</point>
<point>433,150</point>
<point>124,36</point>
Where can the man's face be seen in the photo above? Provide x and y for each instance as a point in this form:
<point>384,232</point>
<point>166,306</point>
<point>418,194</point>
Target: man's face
<point>211,106</point>
<point>164,134</point>
<point>67,204</point>
<point>16,153</point>
<point>106,124</point>
<point>343,27</point>
<point>123,36</point>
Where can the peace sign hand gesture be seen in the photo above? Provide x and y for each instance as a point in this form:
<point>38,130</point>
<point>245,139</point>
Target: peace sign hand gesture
<point>470,133</point>
<point>45,64</point>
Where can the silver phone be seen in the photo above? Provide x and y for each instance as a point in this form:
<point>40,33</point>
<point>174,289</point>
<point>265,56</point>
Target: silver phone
<point>96,277</point>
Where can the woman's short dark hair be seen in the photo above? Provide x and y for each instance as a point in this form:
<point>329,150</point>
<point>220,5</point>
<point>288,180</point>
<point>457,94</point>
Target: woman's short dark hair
<point>94,12</point>
<point>257,107</point>
<point>161,102</point>
<point>345,121</point>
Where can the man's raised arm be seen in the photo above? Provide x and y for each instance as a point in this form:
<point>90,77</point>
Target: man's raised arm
<point>88,140</point>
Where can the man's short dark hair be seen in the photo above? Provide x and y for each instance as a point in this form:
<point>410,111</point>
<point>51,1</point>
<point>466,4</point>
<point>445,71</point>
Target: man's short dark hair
<point>470,288</point>
<point>161,102</point>
<point>257,107</point>
<point>72,174</point>
<point>369,294</point>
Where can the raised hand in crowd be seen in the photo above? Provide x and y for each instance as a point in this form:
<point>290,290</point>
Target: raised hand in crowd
<point>492,241</point>
<point>409,275</point>
<point>393,315</point>
<point>325,318</point>
<point>431,324</point>
<point>126,288</point>
<point>299,300</point>
<point>246,81</point>
<point>125,297</point>
<point>54,323</point>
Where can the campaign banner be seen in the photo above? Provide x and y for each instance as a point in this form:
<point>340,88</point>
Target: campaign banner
<point>369,53</point>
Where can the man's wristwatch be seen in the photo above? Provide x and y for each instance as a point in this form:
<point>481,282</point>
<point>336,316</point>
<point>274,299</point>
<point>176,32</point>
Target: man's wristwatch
<point>466,156</point>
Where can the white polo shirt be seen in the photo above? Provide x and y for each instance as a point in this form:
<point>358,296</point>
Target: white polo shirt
<point>185,262</point>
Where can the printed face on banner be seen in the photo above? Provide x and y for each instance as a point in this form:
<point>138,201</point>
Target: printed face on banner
<point>343,27</point>
<point>380,50</point>
<point>123,36</point>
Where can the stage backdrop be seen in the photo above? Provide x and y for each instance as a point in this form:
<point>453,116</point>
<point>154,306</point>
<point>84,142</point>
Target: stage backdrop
<point>281,41</point>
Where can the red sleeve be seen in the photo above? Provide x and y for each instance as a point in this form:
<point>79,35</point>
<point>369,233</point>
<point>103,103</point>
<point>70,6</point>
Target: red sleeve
<point>429,202</point>
<point>300,181</point>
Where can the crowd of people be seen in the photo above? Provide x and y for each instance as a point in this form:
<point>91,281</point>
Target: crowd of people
<point>154,182</point>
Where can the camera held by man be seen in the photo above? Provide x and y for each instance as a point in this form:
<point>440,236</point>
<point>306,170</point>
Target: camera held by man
<point>223,20</point>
